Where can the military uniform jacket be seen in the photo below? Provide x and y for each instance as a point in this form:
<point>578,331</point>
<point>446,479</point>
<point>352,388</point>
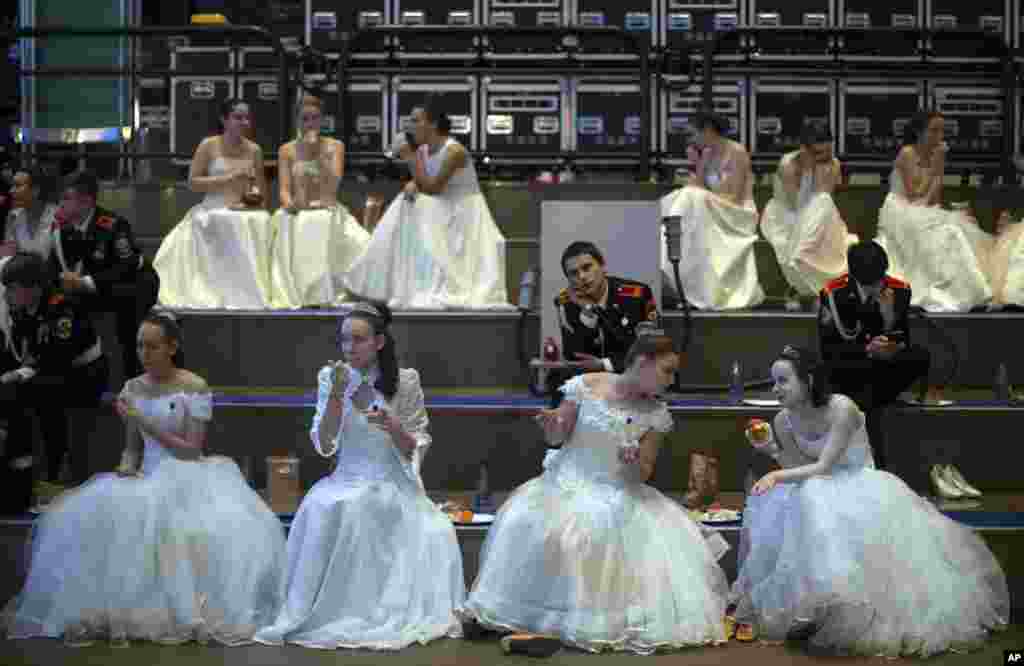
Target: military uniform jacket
<point>846,325</point>
<point>105,251</point>
<point>611,334</point>
<point>50,340</point>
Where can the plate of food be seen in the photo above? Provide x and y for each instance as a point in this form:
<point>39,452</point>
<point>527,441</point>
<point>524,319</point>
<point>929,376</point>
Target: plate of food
<point>470,518</point>
<point>463,515</point>
<point>721,516</point>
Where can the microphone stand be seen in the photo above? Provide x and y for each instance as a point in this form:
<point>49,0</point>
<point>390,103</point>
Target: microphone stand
<point>672,226</point>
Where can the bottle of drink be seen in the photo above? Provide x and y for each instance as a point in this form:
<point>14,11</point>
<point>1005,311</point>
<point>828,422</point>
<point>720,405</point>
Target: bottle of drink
<point>736,384</point>
<point>483,501</point>
<point>551,350</point>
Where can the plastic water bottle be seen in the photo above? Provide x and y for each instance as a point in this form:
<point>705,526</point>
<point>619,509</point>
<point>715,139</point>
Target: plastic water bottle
<point>551,352</point>
<point>736,384</point>
<point>483,501</point>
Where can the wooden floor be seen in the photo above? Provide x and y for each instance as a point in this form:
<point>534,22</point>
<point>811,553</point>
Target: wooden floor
<point>451,652</point>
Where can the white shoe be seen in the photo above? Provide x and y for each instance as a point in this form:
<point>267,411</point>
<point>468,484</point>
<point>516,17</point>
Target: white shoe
<point>944,488</point>
<point>953,475</point>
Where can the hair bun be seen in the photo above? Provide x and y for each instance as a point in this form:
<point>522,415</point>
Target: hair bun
<point>163,313</point>
<point>648,329</point>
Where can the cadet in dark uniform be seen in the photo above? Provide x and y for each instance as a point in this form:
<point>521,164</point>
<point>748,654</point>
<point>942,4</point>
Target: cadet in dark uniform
<point>61,361</point>
<point>598,313</point>
<point>99,263</point>
<point>865,338</point>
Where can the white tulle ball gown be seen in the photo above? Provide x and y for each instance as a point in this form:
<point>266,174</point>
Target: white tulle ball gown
<point>718,269</point>
<point>807,232</point>
<point>593,556</point>
<point>940,252</point>
<point>435,252</point>
<point>186,552</point>
<point>372,562</point>
<point>863,565</point>
<point>315,245</point>
<point>312,249</point>
<point>217,256</point>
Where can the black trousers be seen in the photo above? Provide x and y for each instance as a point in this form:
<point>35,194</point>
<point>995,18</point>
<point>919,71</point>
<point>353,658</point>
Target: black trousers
<point>130,302</point>
<point>15,478</point>
<point>874,384</point>
<point>553,384</point>
<point>49,396</point>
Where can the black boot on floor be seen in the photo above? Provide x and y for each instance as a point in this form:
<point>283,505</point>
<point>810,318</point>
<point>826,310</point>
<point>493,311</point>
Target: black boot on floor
<point>474,631</point>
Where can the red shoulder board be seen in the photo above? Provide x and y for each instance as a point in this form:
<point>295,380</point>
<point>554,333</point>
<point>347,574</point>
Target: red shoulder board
<point>105,222</point>
<point>634,290</point>
<point>895,283</point>
<point>838,283</point>
<point>56,299</point>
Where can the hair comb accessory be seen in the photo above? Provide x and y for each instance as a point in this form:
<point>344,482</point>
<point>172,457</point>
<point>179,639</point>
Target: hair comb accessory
<point>366,308</point>
<point>163,313</point>
<point>647,329</point>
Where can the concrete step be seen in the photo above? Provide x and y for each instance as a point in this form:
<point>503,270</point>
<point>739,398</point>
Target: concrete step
<point>155,209</point>
<point>496,431</point>
<point>477,350</point>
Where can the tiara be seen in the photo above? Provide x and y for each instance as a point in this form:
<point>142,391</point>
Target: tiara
<point>647,329</point>
<point>366,308</point>
<point>162,313</point>
<point>790,352</point>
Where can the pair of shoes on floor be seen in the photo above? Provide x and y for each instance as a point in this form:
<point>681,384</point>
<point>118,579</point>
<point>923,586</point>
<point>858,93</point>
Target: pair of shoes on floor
<point>950,484</point>
<point>531,645</point>
<point>474,631</point>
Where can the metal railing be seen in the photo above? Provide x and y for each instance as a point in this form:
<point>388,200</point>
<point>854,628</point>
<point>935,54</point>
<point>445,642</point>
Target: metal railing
<point>640,46</point>
<point>749,39</point>
<point>749,48</point>
<point>133,72</point>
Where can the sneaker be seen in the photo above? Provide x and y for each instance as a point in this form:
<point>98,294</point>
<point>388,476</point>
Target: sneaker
<point>530,645</point>
<point>953,475</point>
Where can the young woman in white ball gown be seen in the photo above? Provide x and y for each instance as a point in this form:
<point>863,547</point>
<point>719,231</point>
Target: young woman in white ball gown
<point>372,562</point>
<point>801,221</point>
<point>719,222</point>
<point>437,245</point>
<point>173,547</point>
<point>847,556</point>
<point>218,255</point>
<point>941,252</point>
<point>316,238</point>
<point>588,554</point>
